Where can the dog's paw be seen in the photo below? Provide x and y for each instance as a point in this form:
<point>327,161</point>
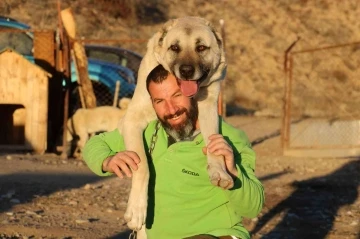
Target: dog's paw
<point>219,177</point>
<point>135,214</point>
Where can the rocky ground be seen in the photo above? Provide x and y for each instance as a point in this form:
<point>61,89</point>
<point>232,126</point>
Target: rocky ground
<point>45,197</point>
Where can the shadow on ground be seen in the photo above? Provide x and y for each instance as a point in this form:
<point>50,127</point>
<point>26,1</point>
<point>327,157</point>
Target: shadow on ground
<point>309,212</point>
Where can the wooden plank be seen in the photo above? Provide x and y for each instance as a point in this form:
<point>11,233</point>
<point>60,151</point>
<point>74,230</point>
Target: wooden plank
<point>82,69</point>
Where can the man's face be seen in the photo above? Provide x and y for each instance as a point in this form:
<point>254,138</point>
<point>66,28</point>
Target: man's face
<point>177,112</point>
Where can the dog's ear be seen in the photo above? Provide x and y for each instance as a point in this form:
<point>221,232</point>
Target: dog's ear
<point>152,47</point>
<point>153,44</point>
<point>165,28</point>
<point>222,66</point>
<point>217,35</point>
<point>220,43</point>
<point>159,38</point>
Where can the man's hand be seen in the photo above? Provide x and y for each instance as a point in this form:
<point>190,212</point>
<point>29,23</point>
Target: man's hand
<point>219,146</point>
<point>121,163</point>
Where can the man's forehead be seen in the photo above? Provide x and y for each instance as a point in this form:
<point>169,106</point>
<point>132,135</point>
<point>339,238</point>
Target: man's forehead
<point>170,81</point>
<point>164,88</point>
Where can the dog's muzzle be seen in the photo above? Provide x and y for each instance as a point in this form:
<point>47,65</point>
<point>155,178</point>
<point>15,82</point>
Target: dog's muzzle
<point>187,71</point>
<point>188,86</point>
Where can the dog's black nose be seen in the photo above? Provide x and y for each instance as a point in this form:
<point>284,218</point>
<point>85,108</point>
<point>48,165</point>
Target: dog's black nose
<point>187,71</point>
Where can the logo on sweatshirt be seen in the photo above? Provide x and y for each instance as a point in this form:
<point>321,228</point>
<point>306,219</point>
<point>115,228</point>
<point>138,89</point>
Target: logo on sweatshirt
<point>189,172</point>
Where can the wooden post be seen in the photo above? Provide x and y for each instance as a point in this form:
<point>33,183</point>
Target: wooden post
<point>80,59</point>
<point>64,67</point>
<point>80,89</point>
<point>82,71</point>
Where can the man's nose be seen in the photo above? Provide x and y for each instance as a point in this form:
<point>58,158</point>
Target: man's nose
<point>171,107</point>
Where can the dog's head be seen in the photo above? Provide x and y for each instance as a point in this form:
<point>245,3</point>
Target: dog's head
<point>193,51</point>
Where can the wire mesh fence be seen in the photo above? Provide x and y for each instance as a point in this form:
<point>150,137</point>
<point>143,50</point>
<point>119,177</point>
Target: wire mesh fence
<point>322,101</point>
<point>110,62</point>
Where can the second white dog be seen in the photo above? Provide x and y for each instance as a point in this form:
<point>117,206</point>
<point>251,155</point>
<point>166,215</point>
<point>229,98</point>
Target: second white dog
<point>86,122</point>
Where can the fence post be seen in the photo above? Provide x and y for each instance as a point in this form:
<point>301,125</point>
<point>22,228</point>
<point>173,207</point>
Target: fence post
<point>287,96</point>
<point>221,101</point>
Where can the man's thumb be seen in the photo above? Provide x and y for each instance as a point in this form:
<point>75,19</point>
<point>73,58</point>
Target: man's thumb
<point>204,150</point>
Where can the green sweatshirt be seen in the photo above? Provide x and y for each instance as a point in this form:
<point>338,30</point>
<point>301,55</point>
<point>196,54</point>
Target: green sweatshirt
<point>182,201</point>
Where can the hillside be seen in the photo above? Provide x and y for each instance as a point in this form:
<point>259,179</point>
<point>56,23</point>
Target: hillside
<point>256,35</point>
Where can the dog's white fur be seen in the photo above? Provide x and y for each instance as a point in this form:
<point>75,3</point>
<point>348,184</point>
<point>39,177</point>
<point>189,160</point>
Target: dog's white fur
<point>85,122</point>
<point>189,41</point>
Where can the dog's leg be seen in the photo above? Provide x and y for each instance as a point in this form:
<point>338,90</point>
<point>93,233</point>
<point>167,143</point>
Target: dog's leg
<point>209,124</point>
<point>141,234</point>
<point>139,113</point>
<point>83,137</point>
<point>77,152</point>
<point>132,126</point>
<point>136,210</point>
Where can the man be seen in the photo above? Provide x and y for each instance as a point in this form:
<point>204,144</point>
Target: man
<point>182,201</point>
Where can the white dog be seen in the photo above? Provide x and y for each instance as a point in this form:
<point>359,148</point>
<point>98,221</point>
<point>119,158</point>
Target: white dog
<point>193,51</point>
<point>86,122</point>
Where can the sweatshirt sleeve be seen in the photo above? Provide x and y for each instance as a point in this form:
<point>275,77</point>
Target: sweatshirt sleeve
<point>247,195</point>
<point>101,146</point>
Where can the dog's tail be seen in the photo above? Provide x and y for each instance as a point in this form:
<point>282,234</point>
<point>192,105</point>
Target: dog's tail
<point>124,102</point>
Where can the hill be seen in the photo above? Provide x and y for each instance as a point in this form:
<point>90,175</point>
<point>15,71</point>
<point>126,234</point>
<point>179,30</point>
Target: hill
<point>257,33</point>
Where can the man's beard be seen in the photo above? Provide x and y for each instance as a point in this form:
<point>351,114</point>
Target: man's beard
<point>186,129</point>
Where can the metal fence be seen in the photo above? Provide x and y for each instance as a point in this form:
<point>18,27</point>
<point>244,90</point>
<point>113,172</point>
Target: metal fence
<point>322,98</point>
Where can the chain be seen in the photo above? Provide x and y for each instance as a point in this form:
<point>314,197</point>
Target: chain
<point>154,137</point>
<point>132,235</point>
<point>151,149</point>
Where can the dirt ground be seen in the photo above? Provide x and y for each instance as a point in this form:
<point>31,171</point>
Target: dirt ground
<point>45,197</point>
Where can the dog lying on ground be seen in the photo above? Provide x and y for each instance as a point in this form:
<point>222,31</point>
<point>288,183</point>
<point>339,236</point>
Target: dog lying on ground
<point>193,51</point>
<point>87,122</point>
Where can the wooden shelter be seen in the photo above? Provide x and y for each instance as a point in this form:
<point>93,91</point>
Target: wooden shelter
<point>23,103</point>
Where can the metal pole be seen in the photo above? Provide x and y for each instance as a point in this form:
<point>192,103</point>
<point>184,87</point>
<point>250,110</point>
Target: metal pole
<point>221,102</point>
<point>288,63</point>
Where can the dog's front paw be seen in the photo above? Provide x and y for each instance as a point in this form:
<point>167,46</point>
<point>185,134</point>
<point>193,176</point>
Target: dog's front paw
<point>219,177</point>
<point>135,214</point>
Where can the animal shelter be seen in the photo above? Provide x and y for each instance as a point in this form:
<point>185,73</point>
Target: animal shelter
<point>23,103</point>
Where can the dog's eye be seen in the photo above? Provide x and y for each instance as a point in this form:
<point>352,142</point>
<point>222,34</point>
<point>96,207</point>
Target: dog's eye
<point>175,48</point>
<point>201,48</point>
